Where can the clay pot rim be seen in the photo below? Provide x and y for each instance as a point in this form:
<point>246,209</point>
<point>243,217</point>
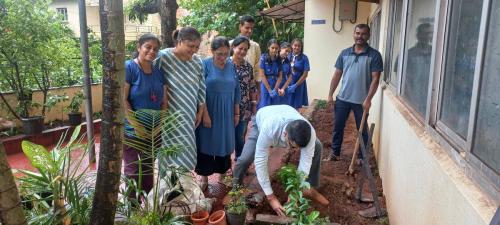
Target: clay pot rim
<point>200,215</point>
<point>219,214</point>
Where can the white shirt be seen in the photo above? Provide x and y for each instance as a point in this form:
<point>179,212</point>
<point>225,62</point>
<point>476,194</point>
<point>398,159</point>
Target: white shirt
<point>271,122</point>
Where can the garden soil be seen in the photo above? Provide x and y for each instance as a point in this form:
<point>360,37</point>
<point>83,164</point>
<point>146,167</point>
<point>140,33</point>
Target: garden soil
<point>337,187</point>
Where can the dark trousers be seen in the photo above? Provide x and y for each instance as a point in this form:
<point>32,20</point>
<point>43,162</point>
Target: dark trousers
<point>131,158</point>
<point>342,110</point>
<point>239,133</point>
<point>248,156</point>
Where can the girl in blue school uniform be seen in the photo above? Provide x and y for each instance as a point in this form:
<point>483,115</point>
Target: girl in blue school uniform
<point>300,68</point>
<point>286,71</point>
<point>270,73</point>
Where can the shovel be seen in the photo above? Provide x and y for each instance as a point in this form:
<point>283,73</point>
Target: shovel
<point>350,171</point>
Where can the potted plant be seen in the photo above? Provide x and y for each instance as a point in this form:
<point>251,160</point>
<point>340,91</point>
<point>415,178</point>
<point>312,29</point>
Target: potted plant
<point>237,207</point>
<point>73,109</point>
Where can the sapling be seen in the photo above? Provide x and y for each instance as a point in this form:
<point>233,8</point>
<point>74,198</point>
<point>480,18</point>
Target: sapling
<point>294,182</point>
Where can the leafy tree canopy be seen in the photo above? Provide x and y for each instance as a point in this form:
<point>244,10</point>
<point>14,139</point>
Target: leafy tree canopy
<point>223,16</point>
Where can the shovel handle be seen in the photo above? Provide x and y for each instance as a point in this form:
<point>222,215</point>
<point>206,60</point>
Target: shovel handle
<point>356,146</point>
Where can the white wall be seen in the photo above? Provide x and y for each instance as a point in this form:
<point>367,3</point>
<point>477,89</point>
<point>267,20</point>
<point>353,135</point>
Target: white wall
<point>422,184</point>
<point>322,45</point>
<point>73,15</point>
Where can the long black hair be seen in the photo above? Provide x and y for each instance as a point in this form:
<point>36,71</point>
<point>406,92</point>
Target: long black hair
<point>186,33</point>
<point>301,45</point>
<point>218,42</point>
<point>272,41</point>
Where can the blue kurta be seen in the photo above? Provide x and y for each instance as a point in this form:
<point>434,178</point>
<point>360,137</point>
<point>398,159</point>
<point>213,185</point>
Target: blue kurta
<point>300,64</point>
<point>286,70</point>
<point>271,71</point>
<point>222,94</point>
<point>146,90</point>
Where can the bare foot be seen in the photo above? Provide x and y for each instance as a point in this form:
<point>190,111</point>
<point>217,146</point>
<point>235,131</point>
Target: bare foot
<point>313,194</point>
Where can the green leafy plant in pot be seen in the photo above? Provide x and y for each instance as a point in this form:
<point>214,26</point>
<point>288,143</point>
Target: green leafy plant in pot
<point>237,207</point>
<point>73,109</point>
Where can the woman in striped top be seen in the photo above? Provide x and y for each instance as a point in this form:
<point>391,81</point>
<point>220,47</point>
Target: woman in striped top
<point>186,94</point>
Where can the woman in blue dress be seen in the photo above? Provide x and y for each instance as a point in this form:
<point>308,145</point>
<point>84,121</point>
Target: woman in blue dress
<point>300,68</point>
<point>215,137</point>
<point>145,88</point>
<point>270,73</point>
<point>285,50</point>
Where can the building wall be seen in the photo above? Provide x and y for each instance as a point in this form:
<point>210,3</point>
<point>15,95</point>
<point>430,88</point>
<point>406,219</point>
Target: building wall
<point>73,14</point>
<point>57,112</point>
<point>422,184</point>
<point>322,45</point>
<point>133,29</point>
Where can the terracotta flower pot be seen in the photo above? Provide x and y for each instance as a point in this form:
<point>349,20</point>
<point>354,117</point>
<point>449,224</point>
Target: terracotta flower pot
<point>218,218</point>
<point>200,217</point>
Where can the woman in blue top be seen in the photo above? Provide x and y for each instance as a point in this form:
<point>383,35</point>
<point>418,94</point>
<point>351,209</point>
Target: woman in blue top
<point>215,137</point>
<point>145,88</point>
<point>300,68</point>
<point>270,73</point>
<point>285,50</point>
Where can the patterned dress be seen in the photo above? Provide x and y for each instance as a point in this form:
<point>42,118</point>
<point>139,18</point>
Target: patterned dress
<point>247,87</point>
<point>186,91</point>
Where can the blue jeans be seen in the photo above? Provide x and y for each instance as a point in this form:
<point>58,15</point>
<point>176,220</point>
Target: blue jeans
<point>342,110</point>
<point>239,135</point>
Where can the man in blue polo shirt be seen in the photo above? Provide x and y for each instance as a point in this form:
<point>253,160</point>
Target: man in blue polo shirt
<point>360,66</point>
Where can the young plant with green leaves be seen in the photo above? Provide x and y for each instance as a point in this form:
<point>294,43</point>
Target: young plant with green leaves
<point>297,206</point>
<point>76,102</point>
<point>237,204</point>
<point>56,191</point>
<point>146,137</point>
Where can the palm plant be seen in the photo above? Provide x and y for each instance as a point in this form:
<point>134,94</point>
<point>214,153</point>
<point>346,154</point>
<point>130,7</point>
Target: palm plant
<point>146,137</point>
<point>57,192</point>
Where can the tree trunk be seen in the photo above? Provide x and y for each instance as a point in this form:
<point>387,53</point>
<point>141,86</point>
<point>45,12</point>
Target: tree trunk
<point>110,158</point>
<point>168,16</point>
<point>11,211</point>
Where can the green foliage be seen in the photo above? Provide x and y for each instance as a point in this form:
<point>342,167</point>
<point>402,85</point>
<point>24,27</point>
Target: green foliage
<point>148,126</point>
<point>322,104</point>
<point>59,177</point>
<point>383,221</point>
<point>38,51</point>
<point>76,102</point>
<point>139,9</point>
<point>151,218</point>
<point>223,16</point>
<point>294,182</point>
<point>237,204</point>
<point>52,100</point>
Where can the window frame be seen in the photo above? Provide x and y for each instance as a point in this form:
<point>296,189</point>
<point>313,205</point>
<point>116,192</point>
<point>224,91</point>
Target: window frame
<point>389,43</point>
<point>64,12</point>
<point>407,7</point>
<point>459,150</point>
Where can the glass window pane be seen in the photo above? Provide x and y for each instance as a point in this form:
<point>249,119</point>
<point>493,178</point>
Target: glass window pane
<point>460,63</point>
<point>486,137</point>
<point>396,36</point>
<point>418,51</point>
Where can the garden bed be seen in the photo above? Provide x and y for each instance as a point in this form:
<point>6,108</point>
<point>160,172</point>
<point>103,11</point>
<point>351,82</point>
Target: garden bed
<point>338,188</point>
